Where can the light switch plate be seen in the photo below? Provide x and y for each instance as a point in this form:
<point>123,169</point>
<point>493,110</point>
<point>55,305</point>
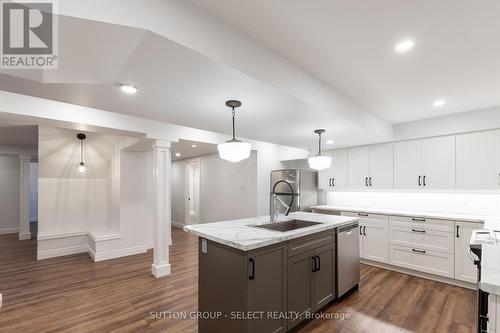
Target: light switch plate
<point>204,246</point>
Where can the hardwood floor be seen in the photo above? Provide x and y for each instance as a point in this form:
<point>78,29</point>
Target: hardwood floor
<point>73,294</point>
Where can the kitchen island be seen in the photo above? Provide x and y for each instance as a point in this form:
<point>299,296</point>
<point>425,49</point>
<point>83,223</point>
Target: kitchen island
<point>256,279</point>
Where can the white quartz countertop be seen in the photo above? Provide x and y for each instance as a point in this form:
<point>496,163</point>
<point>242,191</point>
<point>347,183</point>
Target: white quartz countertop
<point>413,213</point>
<point>241,235</point>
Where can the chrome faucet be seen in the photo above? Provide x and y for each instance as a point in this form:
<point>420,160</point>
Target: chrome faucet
<point>275,213</point>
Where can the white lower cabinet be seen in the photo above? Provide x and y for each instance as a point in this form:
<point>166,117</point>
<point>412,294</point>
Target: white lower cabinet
<point>433,246</point>
<point>374,236</point>
<point>432,262</point>
<point>464,266</point>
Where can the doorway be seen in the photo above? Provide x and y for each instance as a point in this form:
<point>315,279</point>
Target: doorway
<point>193,192</point>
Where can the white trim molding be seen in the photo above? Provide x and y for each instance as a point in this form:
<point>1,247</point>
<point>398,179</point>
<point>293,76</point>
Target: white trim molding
<point>4,231</point>
<point>62,252</point>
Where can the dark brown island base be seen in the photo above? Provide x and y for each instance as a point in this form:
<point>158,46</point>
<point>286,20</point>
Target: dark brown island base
<point>268,289</point>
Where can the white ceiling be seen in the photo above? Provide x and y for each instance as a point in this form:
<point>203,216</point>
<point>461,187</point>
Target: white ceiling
<point>349,45</point>
<point>176,85</point>
<point>186,149</point>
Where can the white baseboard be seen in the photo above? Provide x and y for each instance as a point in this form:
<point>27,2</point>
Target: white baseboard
<point>62,252</point>
<point>117,253</point>
<point>24,235</point>
<point>177,224</point>
<point>4,231</point>
<point>420,274</point>
<point>160,270</point>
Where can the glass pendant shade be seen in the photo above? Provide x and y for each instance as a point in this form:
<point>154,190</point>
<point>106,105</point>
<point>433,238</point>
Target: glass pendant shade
<point>320,162</point>
<point>234,150</point>
<point>81,168</point>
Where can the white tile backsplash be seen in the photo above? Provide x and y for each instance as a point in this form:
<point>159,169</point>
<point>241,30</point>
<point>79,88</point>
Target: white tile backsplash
<point>484,204</point>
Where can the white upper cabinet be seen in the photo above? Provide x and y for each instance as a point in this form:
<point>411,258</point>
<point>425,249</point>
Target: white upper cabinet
<point>371,167</point>
<point>478,164</point>
<point>335,177</point>
<point>339,165</point>
<point>358,167</point>
<point>427,163</point>
<point>438,163</point>
<point>325,176</point>
<point>381,165</point>
<point>407,164</point>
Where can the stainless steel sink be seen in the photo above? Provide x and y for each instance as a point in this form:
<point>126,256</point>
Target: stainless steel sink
<point>286,225</point>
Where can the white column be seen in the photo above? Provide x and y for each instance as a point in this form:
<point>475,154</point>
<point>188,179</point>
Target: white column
<point>24,202</point>
<point>162,202</point>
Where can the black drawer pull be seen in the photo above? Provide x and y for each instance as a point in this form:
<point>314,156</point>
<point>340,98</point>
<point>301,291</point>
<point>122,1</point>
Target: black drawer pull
<point>424,181</point>
<point>458,234</point>
<point>364,230</point>
<point>370,181</point>
<point>418,251</point>
<point>314,264</point>
<point>361,230</point>
<point>366,181</point>
<point>333,181</point>
<point>418,230</point>
<point>419,180</point>
<point>319,263</point>
<point>418,220</point>
<point>362,214</point>
<point>252,276</point>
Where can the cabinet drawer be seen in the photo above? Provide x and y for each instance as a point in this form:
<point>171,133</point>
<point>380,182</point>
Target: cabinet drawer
<point>303,244</point>
<point>432,262</point>
<point>374,218</point>
<point>422,237</point>
<point>419,222</point>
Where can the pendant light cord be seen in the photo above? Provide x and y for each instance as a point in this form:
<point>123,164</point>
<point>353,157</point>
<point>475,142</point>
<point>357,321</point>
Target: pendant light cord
<point>81,151</point>
<point>319,150</point>
<point>234,132</point>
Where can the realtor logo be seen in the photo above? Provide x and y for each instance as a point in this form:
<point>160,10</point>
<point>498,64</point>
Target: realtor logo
<point>29,35</point>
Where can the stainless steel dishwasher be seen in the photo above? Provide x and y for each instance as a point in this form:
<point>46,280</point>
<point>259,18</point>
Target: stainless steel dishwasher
<point>347,258</point>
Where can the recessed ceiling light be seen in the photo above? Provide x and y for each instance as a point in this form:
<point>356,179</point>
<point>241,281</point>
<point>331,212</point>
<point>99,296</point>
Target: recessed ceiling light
<point>404,46</point>
<point>194,146</point>
<point>329,142</point>
<point>177,154</point>
<point>439,103</point>
<point>128,88</point>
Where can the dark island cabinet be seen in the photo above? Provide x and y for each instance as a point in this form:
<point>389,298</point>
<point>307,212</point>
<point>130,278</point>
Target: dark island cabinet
<point>260,291</point>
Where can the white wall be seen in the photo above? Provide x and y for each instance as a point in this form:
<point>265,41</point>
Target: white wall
<point>462,203</point>
<point>9,194</point>
<point>68,201</point>
<point>227,190</point>
<point>33,191</point>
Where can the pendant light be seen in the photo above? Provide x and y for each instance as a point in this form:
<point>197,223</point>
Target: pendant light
<point>234,150</point>
<point>81,167</point>
<point>320,162</point>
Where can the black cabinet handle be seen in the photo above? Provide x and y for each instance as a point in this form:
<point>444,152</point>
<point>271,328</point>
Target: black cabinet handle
<point>418,220</point>
<point>424,181</point>
<point>314,264</point>
<point>370,181</point>
<point>458,234</point>
<point>366,181</point>
<point>418,230</point>
<point>361,230</point>
<point>333,181</point>
<point>252,276</point>
<point>418,251</point>
<point>319,263</point>
<point>419,180</point>
<point>362,214</point>
<point>329,182</point>
<point>364,230</point>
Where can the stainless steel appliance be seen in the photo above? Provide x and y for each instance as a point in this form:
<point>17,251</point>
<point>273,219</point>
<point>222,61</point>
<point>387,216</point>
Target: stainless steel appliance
<point>304,184</point>
<point>347,258</point>
<point>478,238</point>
